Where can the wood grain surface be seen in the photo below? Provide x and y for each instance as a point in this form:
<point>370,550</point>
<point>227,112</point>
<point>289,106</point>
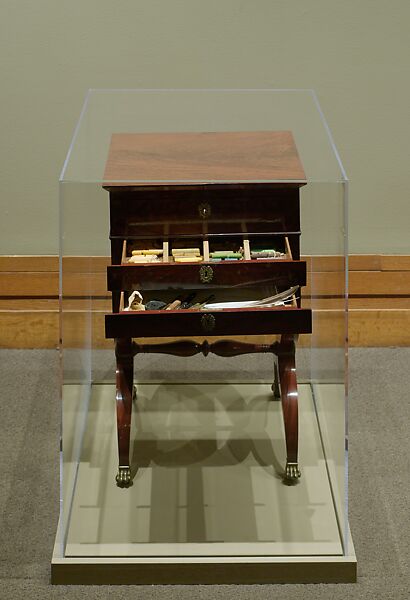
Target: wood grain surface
<point>239,156</point>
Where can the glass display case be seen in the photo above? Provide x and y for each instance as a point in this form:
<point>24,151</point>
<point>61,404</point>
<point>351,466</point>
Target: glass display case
<point>203,310</point>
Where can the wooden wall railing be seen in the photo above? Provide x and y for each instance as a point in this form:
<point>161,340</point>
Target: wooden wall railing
<point>379,302</point>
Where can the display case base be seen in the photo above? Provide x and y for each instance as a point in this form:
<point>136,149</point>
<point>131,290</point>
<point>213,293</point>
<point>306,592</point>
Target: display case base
<point>204,570</point>
<point>208,504</point>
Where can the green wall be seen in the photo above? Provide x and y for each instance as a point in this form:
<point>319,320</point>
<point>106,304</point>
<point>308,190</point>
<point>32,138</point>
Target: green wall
<point>354,54</point>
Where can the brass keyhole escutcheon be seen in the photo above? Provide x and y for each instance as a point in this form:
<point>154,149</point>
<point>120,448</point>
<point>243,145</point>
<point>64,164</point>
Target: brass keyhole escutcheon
<point>208,322</point>
<point>206,274</point>
<point>204,210</point>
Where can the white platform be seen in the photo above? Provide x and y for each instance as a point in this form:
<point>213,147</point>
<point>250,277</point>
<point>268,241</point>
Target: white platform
<point>207,462</point>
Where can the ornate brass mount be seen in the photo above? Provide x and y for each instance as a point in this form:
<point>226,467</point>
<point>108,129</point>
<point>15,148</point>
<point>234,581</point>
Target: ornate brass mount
<point>206,274</point>
<point>292,472</point>
<point>204,210</point>
<point>208,322</point>
<point>123,477</point>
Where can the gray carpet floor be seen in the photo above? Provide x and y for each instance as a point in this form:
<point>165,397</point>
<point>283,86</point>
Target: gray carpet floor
<point>379,486</point>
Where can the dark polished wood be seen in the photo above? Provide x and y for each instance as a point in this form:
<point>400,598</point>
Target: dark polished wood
<point>116,255</point>
<point>124,396</point>
<point>289,395</point>
<point>177,323</point>
<point>159,213</point>
<point>235,274</point>
<point>192,187</point>
<point>224,348</point>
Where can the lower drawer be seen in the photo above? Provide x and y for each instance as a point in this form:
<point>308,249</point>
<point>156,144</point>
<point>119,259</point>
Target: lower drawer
<point>190,323</point>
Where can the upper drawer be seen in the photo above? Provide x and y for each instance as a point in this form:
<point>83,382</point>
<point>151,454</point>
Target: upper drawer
<point>193,212</point>
<point>155,276</point>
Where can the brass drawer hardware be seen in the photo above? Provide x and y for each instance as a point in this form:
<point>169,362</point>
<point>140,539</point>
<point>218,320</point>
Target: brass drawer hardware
<point>204,210</point>
<point>206,274</point>
<point>208,322</point>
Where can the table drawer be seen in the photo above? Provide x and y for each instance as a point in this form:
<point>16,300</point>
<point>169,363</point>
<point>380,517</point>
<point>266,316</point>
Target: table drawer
<point>190,323</point>
<point>244,273</point>
<point>201,212</point>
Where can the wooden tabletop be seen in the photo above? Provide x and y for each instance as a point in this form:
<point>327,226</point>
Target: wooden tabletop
<point>176,158</point>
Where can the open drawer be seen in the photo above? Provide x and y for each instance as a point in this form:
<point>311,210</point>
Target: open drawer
<point>188,323</point>
<point>210,249</point>
<point>244,273</point>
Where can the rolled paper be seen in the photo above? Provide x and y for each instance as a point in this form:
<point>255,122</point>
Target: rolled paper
<point>228,258</point>
<point>147,252</point>
<point>225,254</point>
<point>186,251</point>
<point>192,259</point>
<point>267,254</point>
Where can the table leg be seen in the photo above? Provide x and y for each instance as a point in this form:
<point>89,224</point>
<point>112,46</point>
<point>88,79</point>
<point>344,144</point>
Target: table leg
<point>124,397</point>
<point>289,394</point>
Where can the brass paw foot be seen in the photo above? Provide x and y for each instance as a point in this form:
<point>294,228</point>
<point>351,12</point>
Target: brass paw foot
<point>292,472</point>
<point>123,477</point>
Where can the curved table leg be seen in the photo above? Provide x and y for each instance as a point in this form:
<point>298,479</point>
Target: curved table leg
<point>124,396</point>
<point>289,394</point>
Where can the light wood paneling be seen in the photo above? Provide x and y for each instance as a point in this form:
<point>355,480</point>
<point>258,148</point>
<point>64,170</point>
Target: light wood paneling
<point>30,263</point>
<point>379,304</point>
<point>395,263</point>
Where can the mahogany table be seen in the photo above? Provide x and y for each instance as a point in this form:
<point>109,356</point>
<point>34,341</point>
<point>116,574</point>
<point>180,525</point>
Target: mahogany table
<point>205,189</point>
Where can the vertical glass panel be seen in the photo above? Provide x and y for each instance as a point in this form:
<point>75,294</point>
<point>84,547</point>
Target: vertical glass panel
<point>324,244</point>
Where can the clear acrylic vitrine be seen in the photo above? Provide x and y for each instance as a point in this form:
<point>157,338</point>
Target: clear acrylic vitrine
<point>211,182</point>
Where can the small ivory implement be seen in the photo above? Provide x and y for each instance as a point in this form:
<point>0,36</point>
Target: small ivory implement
<point>225,254</point>
<point>192,259</point>
<point>149,251</point>
<point>143,258</point>
<point>186,251</point>
<point>174,305</point>
<point>135,302</point>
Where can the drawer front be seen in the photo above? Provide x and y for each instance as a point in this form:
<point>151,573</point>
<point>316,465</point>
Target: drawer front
<point>236,274</point>
<point>186,212</point>
<point>185,323</point>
